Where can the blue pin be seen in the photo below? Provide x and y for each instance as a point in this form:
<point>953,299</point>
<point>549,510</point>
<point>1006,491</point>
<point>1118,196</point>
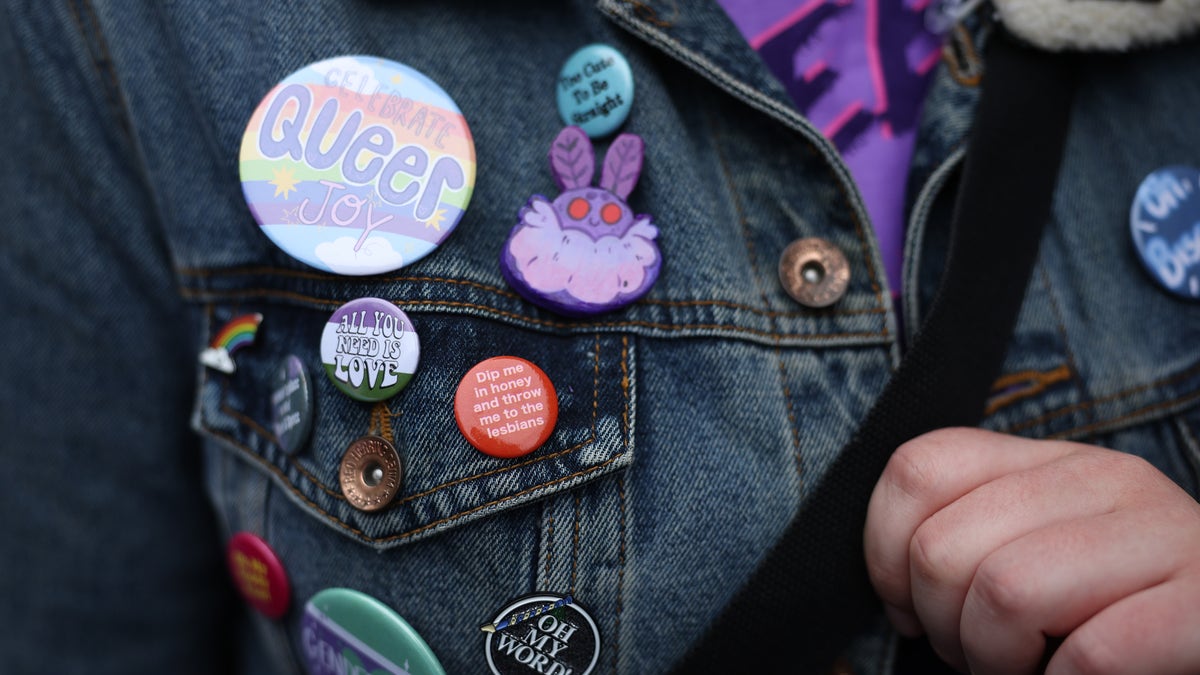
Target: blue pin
<point>1165,222</point>
<point>595,90</point>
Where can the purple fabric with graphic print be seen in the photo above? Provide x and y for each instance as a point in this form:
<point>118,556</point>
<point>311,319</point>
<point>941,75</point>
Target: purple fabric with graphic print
<point>858,69</point>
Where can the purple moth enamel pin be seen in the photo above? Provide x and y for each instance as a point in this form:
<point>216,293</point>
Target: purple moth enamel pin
<point>586,252</point>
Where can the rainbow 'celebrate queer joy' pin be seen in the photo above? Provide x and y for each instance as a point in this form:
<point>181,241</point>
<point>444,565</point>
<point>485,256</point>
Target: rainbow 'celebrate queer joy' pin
<point>357,165</point>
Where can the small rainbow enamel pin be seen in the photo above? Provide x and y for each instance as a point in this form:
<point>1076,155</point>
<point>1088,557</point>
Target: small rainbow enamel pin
<point>238,333</point>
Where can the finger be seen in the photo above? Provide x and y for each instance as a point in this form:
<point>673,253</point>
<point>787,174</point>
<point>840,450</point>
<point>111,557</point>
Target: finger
<point>1054,579</point>
<point>923,476</point>
<point>949,546</point>
<point>1154,631</point>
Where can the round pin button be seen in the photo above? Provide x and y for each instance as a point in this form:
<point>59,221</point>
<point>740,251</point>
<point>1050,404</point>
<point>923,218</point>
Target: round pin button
<point>291,404</point>
<point>506,407</point>
<point>370,349</point>
<point>357,165</point>
<point>595,90</point>
<point>345,631</point>
<point>370,473</point>
<point>1165,222</point>
<point>814,272</point>
<point>551,630</point>
<point>258,574</point>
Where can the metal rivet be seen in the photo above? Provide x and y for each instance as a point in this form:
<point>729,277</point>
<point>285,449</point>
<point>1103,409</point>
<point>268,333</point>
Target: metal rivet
<point>814,272</point>
<point>370,473</point>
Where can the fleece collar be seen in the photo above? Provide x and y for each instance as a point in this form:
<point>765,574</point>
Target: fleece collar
<point>1099,25</point>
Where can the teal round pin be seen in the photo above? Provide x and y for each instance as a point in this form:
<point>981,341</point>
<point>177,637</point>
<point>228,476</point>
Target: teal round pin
<point>345,631</point>
<point>595,90</point>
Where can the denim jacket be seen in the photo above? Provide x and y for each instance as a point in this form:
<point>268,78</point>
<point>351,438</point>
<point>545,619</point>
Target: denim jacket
<point>692,424</point>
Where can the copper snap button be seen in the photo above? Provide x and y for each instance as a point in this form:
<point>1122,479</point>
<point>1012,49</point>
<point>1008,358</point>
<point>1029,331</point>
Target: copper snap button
<point>814,272</point>
<point>370,473</point>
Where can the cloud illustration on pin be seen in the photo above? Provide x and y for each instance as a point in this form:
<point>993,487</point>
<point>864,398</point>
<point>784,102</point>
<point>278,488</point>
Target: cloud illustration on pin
<point>375,253</point>
<point>218,358</point>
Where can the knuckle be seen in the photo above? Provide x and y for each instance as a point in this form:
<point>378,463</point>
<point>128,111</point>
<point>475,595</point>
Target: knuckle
<point>1137,477</point>
<point>913,470</point>
<point>1130,466</point>
<point>933,553</point>
<point>1083,653</point>
<point>918,467</point>
<point>1004,590</point>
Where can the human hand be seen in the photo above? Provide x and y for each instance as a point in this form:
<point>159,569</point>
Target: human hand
<point>990,544</point>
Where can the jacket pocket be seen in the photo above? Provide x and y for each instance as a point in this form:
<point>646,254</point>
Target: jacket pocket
<point>446,482</point>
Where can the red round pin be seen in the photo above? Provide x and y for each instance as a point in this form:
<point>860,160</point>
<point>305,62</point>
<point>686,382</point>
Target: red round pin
<point>506,407</point>
<point>258,574</point>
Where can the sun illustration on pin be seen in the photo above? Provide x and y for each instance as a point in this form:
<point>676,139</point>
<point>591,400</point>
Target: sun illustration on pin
<point>435,221</point>
<point>285,182</point>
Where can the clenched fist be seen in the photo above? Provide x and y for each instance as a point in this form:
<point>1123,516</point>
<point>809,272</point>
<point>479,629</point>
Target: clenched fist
<point>997,546</point>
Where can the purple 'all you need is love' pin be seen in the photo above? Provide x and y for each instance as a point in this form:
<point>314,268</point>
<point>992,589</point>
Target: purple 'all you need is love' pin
<point>586,252</point>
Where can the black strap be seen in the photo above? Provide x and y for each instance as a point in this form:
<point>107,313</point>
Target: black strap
<point>811,593</point>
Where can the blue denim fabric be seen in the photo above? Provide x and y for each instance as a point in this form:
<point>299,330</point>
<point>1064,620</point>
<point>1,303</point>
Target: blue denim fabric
<point>692,424</point>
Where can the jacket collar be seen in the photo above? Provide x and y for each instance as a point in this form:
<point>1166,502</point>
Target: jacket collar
<point>701,36</point>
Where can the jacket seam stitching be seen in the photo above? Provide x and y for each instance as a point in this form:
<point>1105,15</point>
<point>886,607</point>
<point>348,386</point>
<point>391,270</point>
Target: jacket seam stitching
<point>257,428</point>
<point>1034,383</point>
<point>232,440</point>
<point>1044,379</point>
<point>1090,403</point>
<point>625,384</point>
<point>549,509</point>
<point>752,254</point>
<point>620,575</point>
<point>574,544</point>
<point>1191,446</point>
<point>1101,424</point>
<point>615,324</point>
<point>283,271</point>
<point>101,60</point>
<point>1061,326</point>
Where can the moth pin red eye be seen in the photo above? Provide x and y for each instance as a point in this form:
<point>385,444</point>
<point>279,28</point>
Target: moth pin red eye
<point>578,208</point>
<point>610,213</point>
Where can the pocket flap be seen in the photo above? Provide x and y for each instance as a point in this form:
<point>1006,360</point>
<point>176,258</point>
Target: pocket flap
<point>445,481</point>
